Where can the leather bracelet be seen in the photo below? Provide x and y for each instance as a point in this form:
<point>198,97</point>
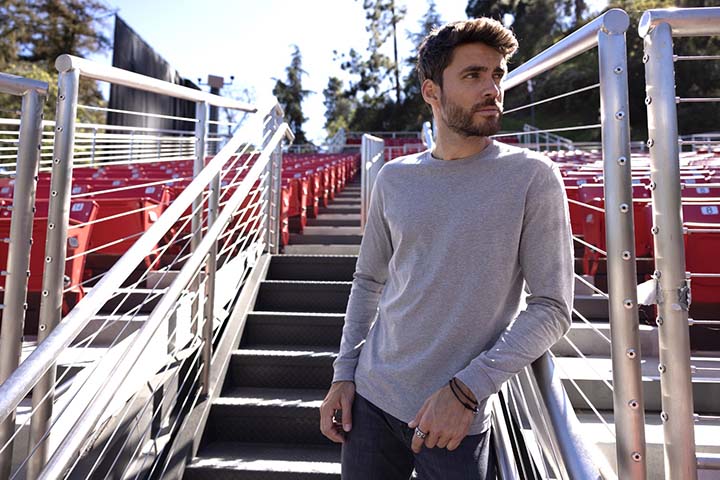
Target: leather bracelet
<point>473,409</point>
<point>462,392</point>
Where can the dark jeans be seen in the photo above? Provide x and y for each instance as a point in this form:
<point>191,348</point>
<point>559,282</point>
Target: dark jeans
<point>378,448</point>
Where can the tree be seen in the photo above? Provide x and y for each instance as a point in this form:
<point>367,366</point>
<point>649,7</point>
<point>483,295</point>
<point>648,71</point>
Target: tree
<point>34,33</point>
<point>290,95</point>
<point>338,107</point>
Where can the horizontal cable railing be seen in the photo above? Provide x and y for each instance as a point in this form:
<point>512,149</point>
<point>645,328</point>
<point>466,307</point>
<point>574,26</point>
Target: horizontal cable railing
<point>559,450</point>
<point>164,226</point>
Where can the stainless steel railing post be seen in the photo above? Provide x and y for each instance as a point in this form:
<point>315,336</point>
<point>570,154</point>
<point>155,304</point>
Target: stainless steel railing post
<point>273,194</point>
<point>55,253</point>
<point>18,262</point>
<point>628,404</point>
<point>201,128</point>
<point>276,165</point>
<point>210,271</point>
<point>673,288</point>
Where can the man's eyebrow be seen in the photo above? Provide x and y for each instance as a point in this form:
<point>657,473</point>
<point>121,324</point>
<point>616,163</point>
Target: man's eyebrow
<point>483,68</point>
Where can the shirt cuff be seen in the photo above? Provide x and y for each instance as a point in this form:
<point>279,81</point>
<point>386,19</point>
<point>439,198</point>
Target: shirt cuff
<point>479,383</point>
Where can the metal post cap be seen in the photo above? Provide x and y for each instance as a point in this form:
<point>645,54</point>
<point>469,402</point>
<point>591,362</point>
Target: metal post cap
<point>615,21</point>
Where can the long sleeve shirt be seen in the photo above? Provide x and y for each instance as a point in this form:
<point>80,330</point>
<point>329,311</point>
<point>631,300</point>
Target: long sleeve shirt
<point>465,269</point>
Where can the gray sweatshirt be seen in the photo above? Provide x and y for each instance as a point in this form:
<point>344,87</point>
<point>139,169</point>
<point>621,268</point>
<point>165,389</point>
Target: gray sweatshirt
<point>438,291</point>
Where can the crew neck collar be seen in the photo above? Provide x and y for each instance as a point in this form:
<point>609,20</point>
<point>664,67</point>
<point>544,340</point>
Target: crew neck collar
<point>490,150</point>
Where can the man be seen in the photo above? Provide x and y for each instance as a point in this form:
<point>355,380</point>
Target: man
<point>437,318</point>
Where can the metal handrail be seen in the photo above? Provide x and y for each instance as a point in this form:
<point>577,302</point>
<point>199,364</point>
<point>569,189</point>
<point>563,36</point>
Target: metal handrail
<point>29,139</point>
<point>99,71</point>
<point>19,384</point>
<point>71,445</point>
<point>607,33</point>
<point>657,28</point>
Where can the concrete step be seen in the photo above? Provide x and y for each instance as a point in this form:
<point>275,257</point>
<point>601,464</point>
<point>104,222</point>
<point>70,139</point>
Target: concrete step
<point>319,249</point>
<point>594,340</point>
<point>333,208</point>
<point>338,216</point>
<point>707,440</point>
<point>592,307</point>
<point>590,375</point>
<point>332,231</point>
<point>329,222</point>
<point>248,461</point>
<point>303,296</point>
<point>299,329</point>
<point>347,200</point>
<point>325,239</point>
<point>312,267</point>
<point>307,367</point>
<point>267,415</point>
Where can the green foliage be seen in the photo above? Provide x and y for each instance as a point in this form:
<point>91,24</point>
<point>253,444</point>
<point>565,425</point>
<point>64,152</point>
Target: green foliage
<point>338,107</point>
<point>290,94</point>
<point>33,33</point>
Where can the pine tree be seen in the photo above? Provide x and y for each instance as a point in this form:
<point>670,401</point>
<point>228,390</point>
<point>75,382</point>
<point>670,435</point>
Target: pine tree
<point>34,33</point>
<point>290,94</point>
<point>338,107</point>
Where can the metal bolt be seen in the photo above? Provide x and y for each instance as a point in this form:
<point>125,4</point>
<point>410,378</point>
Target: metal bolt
<point>636,456</point>
<point>650,143</point>
<point>659,321</point>
<point>688,275</point>
<point>57,160</point>
<point>48,259</point>
<point>45,293</point>
<point>61,97</point>
<point>630,353</point>
<point>657,274</point>
<point>59,129</point>
<point>626,255</point>
<point>634,404</point>
<point>655,230</point>
<point>51,226</point>
<point>662,368</point>
<point>53,193</point>
<point>620,115</point>
<point>618,70</point>
<point>624,207</point>
<point>628,303</point>
<point>648,100</point>
<point>622,161</point>
<point>664,417</point>
<point>42,327</point>
<point>653,185</point>
<point>646,58</point>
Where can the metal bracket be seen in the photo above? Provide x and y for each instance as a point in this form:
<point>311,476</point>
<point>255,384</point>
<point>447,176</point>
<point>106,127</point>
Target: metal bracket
<point>685,296</point>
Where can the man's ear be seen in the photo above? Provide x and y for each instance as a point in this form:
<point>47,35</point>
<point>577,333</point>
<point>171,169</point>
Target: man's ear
<point>430,92</point>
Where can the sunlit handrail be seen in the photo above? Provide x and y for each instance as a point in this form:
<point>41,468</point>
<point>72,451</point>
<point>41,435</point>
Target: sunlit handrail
<point>607,33</point>
<point>117,76</point>
<point>31,370</point>
<point>580,41</point>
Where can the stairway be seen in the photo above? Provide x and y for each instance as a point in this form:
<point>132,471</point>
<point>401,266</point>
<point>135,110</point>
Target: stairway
<point>266,423</point>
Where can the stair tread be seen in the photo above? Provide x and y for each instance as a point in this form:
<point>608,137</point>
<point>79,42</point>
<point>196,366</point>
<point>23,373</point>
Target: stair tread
<point>305,282</point>
<point>338,216</point>
<point>270,314</point>
<point>321,249</point>
<point>271,397</point>
<point>331,230</point>
<point>269,458</point>
<point>287,351</point>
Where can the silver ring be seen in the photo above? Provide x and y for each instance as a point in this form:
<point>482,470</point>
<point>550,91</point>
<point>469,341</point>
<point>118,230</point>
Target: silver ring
<point>420,434</point>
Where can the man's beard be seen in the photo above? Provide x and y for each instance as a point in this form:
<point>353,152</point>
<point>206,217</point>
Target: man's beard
<point>461,120</point>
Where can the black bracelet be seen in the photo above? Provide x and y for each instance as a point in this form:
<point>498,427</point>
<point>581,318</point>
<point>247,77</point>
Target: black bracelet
<point>462,392</point>
<point>473,409</point>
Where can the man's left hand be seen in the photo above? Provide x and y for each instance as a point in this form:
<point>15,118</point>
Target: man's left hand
<point>443,419</point>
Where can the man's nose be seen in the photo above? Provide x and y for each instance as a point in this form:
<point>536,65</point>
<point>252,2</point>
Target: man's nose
<point>492,90</point>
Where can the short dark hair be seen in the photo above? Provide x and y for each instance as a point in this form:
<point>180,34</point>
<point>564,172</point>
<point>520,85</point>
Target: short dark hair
<point>437,49</point>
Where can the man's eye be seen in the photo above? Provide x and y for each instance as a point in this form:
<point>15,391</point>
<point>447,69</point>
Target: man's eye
<point>472,75</point>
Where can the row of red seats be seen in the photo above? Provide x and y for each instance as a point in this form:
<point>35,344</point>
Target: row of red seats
<point>700,208</point>
<point>112,206</point>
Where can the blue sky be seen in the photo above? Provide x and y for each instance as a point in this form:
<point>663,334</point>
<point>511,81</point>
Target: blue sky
<point>252,39</point>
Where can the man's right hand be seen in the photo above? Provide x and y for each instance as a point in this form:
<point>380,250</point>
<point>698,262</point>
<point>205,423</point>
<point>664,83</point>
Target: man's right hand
<point>340,397</point>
